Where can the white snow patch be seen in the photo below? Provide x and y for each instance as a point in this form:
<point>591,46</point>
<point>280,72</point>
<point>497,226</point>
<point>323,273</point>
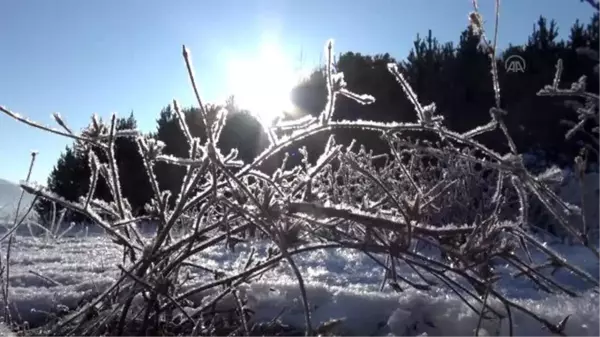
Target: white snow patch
<point>341,284</point>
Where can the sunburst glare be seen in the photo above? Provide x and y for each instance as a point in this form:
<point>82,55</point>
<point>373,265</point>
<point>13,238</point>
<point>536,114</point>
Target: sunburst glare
<point>263,83</point>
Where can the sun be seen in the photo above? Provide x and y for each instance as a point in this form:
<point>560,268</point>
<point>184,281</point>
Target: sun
<point>263,83</point>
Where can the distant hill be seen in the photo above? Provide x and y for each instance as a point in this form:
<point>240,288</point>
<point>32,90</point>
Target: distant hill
<point>9,197</point>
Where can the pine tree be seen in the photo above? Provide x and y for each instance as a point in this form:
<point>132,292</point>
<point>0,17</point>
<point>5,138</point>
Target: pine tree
<point>70,176</point>
<point>66,180</point>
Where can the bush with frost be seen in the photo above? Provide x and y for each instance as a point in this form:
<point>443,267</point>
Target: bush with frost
<point>422,195</point>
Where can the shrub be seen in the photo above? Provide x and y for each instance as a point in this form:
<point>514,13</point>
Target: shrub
<point>342,200</point>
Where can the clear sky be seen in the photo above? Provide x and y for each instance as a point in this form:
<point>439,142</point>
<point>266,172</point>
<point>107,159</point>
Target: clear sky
<point>82,57</point>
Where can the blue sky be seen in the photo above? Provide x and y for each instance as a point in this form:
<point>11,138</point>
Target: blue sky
<point>82,57</point>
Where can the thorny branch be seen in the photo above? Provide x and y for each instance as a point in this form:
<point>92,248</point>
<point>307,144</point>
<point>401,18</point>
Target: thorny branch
<point>344,201</point>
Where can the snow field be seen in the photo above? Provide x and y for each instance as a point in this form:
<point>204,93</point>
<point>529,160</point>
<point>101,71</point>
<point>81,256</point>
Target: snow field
<point>341,284</point>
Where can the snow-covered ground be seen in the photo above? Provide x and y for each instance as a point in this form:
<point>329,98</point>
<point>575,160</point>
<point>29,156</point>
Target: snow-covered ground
<point>341,284</point>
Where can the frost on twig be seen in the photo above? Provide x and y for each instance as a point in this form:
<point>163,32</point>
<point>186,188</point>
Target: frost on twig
<point>454,194</point>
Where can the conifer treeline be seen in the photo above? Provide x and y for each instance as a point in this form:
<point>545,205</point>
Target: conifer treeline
<point>454,76</point>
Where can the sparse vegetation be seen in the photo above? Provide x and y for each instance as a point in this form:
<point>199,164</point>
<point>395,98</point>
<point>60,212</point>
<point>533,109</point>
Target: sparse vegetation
<point>446,190</point>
